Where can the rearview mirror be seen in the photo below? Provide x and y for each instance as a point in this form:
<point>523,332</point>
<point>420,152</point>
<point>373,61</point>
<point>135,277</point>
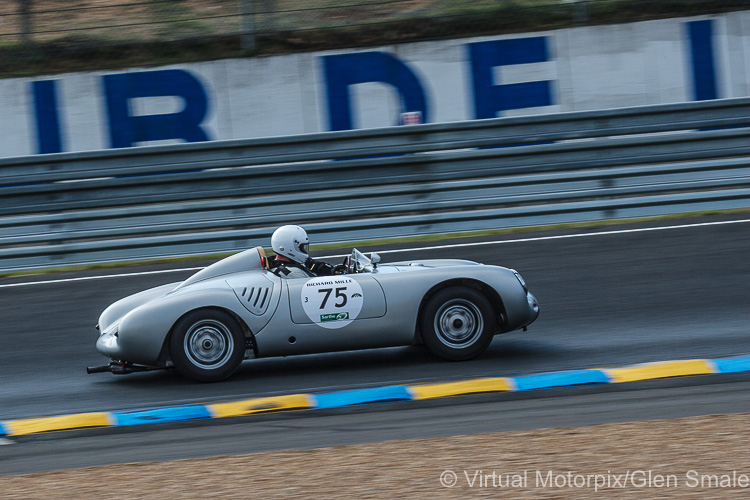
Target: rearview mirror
<point>374,258</point>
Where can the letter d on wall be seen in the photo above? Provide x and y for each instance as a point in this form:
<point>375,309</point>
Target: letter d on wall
<point>126,130</point>
<point>345,70</point>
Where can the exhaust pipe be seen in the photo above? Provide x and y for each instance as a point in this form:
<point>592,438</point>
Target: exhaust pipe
<point>98,369</point>
<point>122,368</point>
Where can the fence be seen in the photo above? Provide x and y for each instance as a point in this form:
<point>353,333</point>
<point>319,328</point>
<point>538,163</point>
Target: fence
<point>224,196</point>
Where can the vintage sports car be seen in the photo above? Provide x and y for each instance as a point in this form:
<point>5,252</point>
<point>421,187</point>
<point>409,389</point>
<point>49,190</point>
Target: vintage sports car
<point>238,309</point>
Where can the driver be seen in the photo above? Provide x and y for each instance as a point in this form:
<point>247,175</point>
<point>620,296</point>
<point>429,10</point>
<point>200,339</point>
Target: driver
<point>292,260</point>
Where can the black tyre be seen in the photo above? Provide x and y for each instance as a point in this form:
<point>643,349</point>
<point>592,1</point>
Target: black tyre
<point>207,345</point>
<point>457,323</point>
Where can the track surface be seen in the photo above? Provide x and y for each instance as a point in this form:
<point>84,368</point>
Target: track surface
<point>606,301</point>
<point>568,407</point>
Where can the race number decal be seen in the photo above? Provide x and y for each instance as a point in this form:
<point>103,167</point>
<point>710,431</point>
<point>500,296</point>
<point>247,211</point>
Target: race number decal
<point>332,302</point>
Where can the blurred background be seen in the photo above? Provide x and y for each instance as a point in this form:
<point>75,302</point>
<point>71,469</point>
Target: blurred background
<point>42,36</point>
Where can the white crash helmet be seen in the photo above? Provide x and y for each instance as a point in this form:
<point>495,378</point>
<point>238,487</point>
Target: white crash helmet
<point>291,242</point>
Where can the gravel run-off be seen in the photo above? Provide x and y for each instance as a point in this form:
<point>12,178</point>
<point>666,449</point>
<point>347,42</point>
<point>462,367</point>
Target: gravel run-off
<point>700,457</point>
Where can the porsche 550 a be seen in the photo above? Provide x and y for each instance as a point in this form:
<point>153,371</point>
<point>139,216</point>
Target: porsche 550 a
<point>238,309</point>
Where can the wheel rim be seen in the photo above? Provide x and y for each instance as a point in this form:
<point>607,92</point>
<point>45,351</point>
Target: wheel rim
<point>209,344</point>
<point>459,323</point>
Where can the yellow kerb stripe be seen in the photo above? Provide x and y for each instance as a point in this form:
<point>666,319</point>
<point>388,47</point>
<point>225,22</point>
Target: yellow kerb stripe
<point>63,422</point>
<point>661,369</point>
<point>260,405</point>
<point>428,391</point>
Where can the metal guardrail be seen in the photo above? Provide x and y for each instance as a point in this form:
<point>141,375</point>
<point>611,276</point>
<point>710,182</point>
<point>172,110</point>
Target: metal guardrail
<point>224,196</point>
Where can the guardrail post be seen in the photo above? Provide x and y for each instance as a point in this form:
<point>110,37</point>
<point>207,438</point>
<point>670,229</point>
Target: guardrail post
<point>269,17</point>
<point>580,11</point>
<point>24,8</point>
<point>247,25</point>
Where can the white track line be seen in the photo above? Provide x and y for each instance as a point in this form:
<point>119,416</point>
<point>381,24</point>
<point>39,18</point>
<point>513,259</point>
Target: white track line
<point>87,278</point>
<point>564,236</point>
<point>417,249</point>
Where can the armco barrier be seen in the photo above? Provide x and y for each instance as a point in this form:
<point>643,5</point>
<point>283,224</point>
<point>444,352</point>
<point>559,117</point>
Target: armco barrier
<point>193,199</point>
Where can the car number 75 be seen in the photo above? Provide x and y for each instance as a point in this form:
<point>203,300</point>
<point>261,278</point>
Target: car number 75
<point>339,295</point>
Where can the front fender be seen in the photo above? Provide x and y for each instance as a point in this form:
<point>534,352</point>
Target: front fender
<point>517,301</point>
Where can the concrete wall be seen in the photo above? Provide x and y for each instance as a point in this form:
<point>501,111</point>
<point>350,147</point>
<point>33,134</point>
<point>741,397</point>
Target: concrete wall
<point>587,68</point>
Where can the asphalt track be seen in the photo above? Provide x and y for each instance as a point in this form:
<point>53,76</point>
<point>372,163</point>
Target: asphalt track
<point>607,300</point>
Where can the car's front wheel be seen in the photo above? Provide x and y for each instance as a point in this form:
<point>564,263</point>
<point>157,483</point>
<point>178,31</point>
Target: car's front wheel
<point>207,345</point>
<point>457,323</point>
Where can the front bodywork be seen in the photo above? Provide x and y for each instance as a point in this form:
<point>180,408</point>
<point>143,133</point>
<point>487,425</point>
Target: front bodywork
<point>283,317</point>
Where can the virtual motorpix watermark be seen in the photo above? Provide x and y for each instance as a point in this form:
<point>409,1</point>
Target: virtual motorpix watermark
<point>600,481</point>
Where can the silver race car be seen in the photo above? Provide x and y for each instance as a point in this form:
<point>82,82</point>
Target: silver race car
<point>238,309</point>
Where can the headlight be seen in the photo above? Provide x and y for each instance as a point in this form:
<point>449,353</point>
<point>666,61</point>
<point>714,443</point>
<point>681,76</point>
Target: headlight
<point>112,329</point>
<point>520,280</point>
<point>533,304</point>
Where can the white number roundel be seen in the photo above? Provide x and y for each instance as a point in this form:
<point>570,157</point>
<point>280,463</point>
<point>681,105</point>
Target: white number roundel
<point>332,301</point>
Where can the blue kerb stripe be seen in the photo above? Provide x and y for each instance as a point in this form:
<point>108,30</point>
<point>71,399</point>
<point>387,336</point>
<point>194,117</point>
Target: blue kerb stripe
<point>175,414</point>
<point>3,432</point>
<point>560,379</point>
<point>732,365</point>
<point>348,398</point>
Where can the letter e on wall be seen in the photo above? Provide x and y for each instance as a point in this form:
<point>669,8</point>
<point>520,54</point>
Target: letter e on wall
<point>492,98</point>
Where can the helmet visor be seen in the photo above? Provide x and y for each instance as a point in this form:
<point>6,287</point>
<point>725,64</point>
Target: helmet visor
<point>304,247</point>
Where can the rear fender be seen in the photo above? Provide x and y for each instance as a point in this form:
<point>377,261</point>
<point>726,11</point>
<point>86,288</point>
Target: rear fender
<point>115,312</point>
<point>143,331</point>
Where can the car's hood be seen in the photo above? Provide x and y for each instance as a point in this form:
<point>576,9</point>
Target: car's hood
<point>433,263</point>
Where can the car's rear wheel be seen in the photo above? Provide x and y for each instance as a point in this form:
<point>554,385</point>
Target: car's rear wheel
<point>207,345</point>
<point>457,323</point>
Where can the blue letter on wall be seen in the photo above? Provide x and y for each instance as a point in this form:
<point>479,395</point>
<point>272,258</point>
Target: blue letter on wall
<point>126,130</point>
<point>345,70</point>
<point>47,119</point>
<point>491,98</point>
<point>702,58</point>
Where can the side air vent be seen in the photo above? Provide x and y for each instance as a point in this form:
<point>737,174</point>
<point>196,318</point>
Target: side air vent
<point>255,293</point>
<point>256,298</point>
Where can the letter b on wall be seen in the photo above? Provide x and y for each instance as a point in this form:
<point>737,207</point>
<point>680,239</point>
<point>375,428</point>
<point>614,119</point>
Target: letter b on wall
<point>126,130</point>
<point>345,70</point>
